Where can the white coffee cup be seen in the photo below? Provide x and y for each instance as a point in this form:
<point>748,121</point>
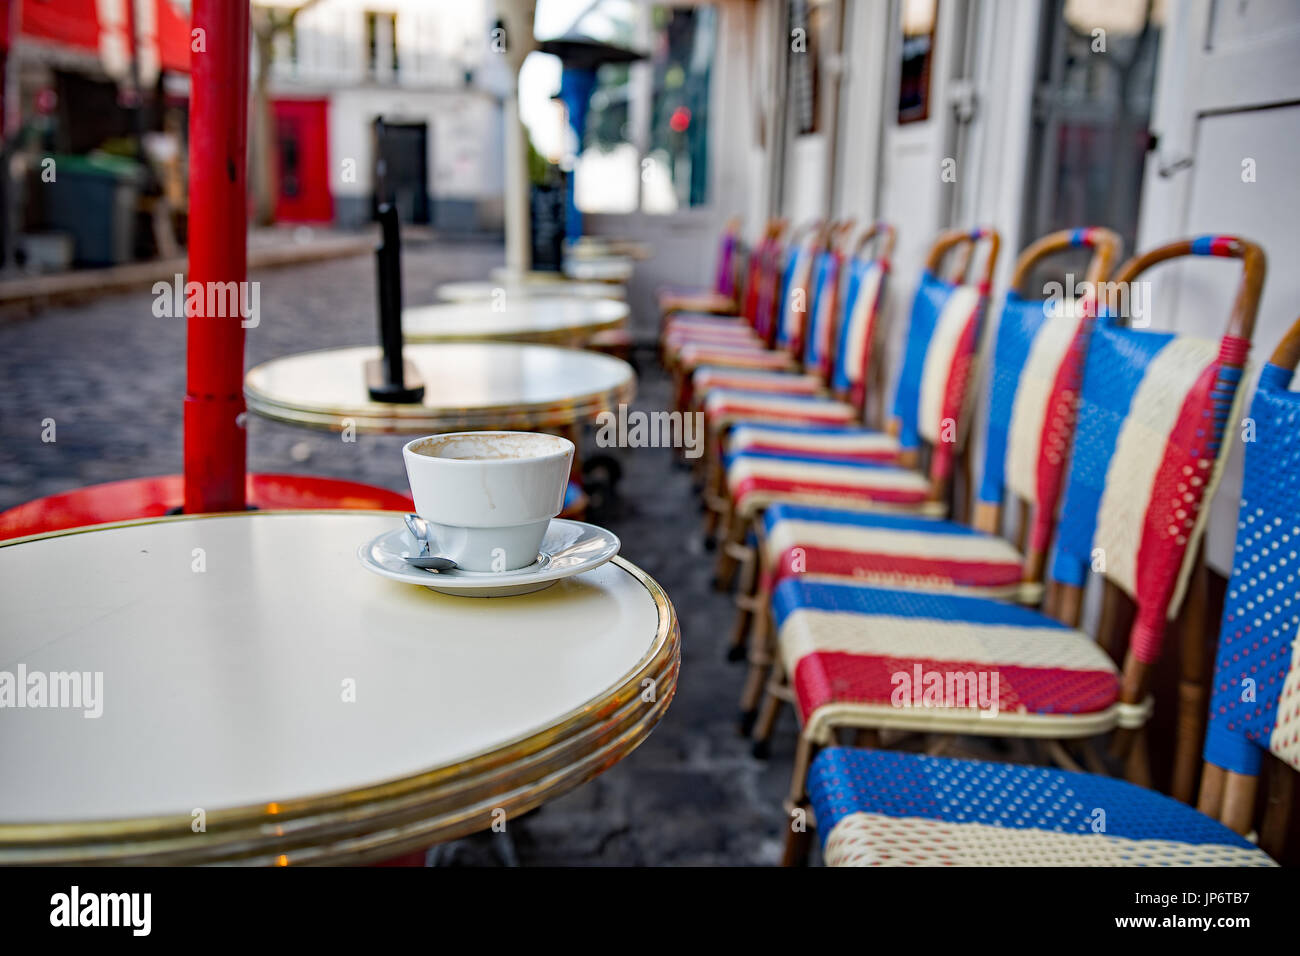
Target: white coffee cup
<point>488,496</point>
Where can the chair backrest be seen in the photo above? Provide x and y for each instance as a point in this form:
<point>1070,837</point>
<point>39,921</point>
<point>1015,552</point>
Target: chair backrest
<point>725,274</point>
<point>1033,386</point>
<point>1148,452</point>
<point>930,402</point>
<point>1255,695</point>
<point>796,287</point>
<point>827,267</point>
<point>757,275</point>
<point>858,312</point>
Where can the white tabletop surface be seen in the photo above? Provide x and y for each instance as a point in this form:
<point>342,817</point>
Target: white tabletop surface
<point>467,385</point>
<point>478,290</point>
<point>513,316</point>
<point>605,269</point>
<point>225,687</point>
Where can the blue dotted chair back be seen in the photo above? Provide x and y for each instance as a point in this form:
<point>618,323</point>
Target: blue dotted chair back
<point>1255,698</point>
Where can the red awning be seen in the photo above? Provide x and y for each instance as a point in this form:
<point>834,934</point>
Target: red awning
<point>72,23</point>
<point>173,37</point>
<point>75,24</point>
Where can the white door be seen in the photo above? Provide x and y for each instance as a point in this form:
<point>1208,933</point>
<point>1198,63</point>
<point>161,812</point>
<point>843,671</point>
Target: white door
<point>1227,118</point>
<point>919,174</point>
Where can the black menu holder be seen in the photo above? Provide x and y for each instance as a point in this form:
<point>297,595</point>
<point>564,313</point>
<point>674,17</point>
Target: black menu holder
<point>391,378</point>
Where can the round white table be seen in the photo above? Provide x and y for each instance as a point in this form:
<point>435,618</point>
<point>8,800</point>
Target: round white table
<point>468,385</point>
<point>602,269</point>
<point>557,319</point>
<point>479,290</point>
<point>259,698</point>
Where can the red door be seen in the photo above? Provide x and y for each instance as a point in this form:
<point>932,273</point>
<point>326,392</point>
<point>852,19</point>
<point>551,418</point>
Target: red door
<point>302,145</point>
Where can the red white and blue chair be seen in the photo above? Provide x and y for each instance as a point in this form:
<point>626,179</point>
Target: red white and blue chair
<point>1147,455</point>
<point>879,808</point>
<point>931,406</point>
<point>776,346</point>
<point>844,305</point>
<point>855,293</point>
<point>1037,364</point>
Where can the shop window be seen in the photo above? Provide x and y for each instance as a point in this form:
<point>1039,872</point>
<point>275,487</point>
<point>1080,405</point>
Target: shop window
<point>917,60</point>
<point>667,93</point>
<point>1092,114</point>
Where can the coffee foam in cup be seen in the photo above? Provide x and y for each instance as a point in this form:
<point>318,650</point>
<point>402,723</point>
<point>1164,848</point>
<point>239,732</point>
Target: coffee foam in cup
<point>489,446</point>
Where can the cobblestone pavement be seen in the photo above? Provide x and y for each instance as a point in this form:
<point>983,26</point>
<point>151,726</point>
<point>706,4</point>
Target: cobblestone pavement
<point>112,377</point>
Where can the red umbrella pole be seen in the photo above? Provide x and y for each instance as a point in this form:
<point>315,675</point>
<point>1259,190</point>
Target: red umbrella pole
<point>215,447</point>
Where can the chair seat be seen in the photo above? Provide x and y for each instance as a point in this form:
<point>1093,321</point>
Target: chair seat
<point>693,355</point>
<point>890,551</point>
<point>755,380</point>
<point>721,324</point>
<point>874,657</point>
<point>831,443</point>
<point>756,480</point>
<point>728,332</point>
<point>696,300</point>
<point>725,406</point>
<point>884,808</point>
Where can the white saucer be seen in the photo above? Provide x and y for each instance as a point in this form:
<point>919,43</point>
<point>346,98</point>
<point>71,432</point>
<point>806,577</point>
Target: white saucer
<point>569,548</point>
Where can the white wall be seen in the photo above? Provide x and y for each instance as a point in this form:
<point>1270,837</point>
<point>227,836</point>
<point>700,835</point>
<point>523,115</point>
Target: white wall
<point>464,158</point>
<point>436,41</point>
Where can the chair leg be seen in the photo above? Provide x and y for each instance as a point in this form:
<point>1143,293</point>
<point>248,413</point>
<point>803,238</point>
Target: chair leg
<point>727,554</point>
<point>760,665</point>
<point>798,838</point>
<point>1062,757</point>
<point>751,601</point>
<point>770,710</point>
<point>1137,767</point>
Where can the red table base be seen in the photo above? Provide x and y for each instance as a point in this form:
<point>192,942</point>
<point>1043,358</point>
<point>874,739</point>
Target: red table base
<point>153,497</point>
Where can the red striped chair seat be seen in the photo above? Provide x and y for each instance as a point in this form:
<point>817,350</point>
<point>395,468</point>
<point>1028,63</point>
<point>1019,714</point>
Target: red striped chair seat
<point>726,406</point>
<point>713,302</point>
<point>736,332</point>
<point>694,355</point>
<point>681,326</point>
<point>890,551</point>
<point>815,443</point>
<point>755,481</point>
<point>755,380</point>
<point>874,657</point>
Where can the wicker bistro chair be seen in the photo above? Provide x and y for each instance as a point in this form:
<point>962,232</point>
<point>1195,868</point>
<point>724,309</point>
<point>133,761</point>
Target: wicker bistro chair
<point>844,306</point>
<point>834,287</point>
<point>837,353</point>
<point>824,303</point>
<point>1036,368</point>
<point>883,808</point>
<point>721,299</point>
<point>1147,455</point>
<point>930,406</point>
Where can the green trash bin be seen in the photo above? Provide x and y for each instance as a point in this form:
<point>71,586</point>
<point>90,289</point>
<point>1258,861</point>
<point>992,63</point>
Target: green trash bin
<point>93,198</point>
